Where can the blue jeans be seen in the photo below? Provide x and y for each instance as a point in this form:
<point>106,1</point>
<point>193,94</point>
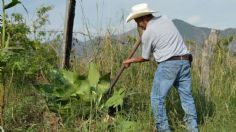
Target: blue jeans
<point>177,73</point>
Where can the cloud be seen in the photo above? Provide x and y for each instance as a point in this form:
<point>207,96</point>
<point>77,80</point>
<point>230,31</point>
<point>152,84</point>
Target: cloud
<point>194,19</point>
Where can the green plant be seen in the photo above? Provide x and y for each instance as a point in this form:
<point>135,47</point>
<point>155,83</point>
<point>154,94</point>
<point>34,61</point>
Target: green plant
<point>39,29</point>
<point>22,61</point>
<point>5,54</point>
<point>66,88</point>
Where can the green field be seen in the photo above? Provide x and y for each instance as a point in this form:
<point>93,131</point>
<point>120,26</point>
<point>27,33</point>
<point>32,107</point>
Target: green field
<point>40,97</point>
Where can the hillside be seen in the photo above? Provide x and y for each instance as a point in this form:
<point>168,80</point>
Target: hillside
<point>188,32</point>
<point>191,32</point>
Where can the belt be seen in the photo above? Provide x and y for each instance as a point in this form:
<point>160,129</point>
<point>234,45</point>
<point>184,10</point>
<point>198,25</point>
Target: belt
<point>181,57</point>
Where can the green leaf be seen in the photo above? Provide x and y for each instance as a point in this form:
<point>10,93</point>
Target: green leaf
<point>69,76</point>
<point>12,4</point>
<point>103,84</point>
<point>84,90</point>
<point>102,87</point>
<point>65,91</point>
<point>93,75</point>
<point>116,99</point>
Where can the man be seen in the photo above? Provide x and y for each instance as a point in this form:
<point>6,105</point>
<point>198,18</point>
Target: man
<point>161,38</point>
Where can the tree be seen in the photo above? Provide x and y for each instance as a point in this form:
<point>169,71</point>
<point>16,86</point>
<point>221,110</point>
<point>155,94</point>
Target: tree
<point>68,33</point>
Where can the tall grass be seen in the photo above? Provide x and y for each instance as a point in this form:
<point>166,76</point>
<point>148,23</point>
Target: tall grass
<point>216,113</point>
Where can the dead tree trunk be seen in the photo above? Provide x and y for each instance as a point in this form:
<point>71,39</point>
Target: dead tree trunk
<point>68,33</point>
<point>207,54</point>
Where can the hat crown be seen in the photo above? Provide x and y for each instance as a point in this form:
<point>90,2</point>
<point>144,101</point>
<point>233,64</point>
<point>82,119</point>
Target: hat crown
<point>138,11</point>
<point>140,7</point>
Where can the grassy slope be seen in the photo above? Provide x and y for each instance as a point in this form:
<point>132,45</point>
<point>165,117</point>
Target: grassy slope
<point>216,114</point>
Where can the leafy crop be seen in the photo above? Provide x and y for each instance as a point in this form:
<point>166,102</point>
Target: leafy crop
<point>66,88</point>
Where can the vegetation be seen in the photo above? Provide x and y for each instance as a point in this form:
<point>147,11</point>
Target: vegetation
<point>41,97</point>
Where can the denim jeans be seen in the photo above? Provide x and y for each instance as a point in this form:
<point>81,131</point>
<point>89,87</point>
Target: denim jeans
<point>173,73</point>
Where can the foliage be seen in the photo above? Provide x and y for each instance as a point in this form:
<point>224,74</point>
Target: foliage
<point>25,53</point>
<point>21,59</point>
<point>124,125</point>
<point>22,53</point>
<point>25,115</point>
<point>116,99</point>
<point>227,41</point>
<point>66,88</point>
<point>5,55</point>
<point>40,22</point>
<point>80,100</point>
<point>12,4</point>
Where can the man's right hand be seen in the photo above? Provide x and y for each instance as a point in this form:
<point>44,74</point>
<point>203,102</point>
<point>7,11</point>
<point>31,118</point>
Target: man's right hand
<point>126,63</point>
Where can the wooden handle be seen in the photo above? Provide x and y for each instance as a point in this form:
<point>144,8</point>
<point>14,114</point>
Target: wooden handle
<point>123,67</point>
<point>134,49</point>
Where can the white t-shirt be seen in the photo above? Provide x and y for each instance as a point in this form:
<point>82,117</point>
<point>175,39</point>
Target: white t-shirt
<point>162,38</point>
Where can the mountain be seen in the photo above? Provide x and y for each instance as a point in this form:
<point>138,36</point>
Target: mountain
<point>228,32</point>
<point>199,34</point>
<point>191,32</point>
<point>188,32</point>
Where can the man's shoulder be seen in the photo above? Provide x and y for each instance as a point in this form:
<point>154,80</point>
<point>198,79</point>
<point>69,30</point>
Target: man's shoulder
<point>160,18</point>
<point>157,22</point>
<point>162,24</point>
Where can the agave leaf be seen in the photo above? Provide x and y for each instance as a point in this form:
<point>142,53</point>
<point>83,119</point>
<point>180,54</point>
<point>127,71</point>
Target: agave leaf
<point>64,92</point>
<point>102,87</point>
<point>69,76</point>
<point>93,75</point>
<point>103,84</point>
<point>116,99</point>
<point>12,4</point>
<point>84,90</point>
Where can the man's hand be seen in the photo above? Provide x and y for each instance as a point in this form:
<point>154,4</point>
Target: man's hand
<point>127,63</point>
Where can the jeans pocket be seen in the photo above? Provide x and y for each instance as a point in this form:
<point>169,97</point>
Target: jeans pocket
<point>169,72</point>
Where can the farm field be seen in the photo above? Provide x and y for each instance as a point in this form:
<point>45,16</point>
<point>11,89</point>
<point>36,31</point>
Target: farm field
<point>38,95</point>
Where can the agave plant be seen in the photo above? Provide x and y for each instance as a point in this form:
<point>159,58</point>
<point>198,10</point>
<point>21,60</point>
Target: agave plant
<point>66,86</point>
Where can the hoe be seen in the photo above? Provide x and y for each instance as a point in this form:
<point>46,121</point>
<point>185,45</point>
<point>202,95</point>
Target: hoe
<point>134,49</point>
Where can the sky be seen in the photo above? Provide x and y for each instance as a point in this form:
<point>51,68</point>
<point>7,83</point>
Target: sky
<point>102,15</point>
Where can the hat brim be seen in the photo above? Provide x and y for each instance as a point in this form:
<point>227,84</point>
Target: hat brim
<point>138,14</point>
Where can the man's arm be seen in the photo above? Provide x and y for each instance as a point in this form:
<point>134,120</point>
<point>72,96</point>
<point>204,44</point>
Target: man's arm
<point>127,62</point>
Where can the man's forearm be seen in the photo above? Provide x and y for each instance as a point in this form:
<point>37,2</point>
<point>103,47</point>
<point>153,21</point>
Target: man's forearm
<point>133,60</point>
<point>136,60</point>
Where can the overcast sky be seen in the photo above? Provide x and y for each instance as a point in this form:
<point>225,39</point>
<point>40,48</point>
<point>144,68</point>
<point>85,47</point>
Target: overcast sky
<point>111,14</point>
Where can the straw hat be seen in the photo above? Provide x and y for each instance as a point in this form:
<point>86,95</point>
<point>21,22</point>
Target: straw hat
<point>138,11</point>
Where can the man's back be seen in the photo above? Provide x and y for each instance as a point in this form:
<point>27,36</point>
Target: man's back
<point>163,39</point>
